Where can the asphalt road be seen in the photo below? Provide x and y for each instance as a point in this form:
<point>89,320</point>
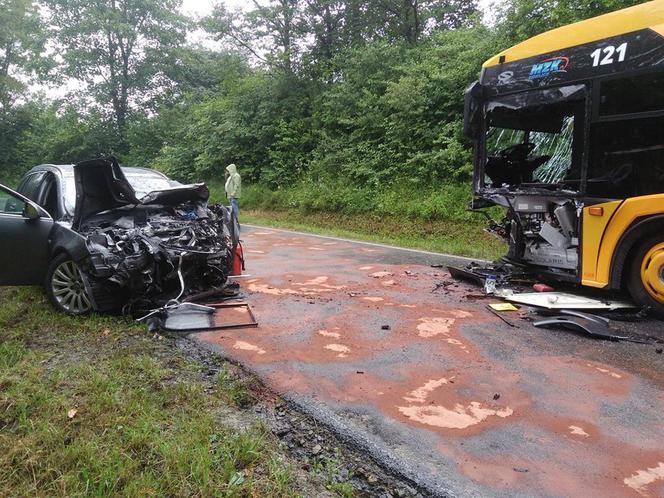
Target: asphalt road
<point>434,386</point>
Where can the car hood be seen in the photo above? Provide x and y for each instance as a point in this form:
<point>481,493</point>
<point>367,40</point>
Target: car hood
<point>102,186</point>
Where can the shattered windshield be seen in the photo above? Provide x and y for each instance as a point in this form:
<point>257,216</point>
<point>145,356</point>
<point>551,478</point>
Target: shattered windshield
<point>535,138</point>
<point>143,182</point>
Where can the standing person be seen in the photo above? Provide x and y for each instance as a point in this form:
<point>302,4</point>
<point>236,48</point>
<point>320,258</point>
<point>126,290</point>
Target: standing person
<point>233,188</point>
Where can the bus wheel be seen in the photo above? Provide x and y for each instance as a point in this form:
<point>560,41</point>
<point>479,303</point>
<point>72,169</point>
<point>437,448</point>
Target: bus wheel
<point>646,277</point>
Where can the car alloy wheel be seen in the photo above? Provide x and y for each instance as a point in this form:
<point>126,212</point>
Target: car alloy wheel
<point>69,290</point>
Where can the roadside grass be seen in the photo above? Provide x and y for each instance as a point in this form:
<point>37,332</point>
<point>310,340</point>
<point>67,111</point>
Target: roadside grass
<point>433,219</point>
<point>448,237</point>
<point>96,406</point>
<point>330,469</point>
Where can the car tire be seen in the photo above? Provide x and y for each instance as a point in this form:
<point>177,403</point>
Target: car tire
<point>645,281</point>
<point>65,288</point>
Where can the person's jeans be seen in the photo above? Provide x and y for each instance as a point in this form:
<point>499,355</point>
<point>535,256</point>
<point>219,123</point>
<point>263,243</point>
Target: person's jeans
<point>235,208</point>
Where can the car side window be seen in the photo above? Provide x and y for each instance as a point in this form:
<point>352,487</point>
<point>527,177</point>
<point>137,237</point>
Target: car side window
<point>10,204</point>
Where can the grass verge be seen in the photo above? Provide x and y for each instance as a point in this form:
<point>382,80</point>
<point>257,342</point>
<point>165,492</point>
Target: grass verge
<point>451,237</point>
<point>98,407</point>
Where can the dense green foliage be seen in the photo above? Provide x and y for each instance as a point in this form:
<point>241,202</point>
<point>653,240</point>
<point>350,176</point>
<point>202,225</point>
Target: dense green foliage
<point>338,105</point>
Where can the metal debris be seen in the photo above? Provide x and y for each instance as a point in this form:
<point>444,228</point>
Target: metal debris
<point>496,313</point>
<point>192,317</point>
<point>561,300</point>
<point>593,325</point>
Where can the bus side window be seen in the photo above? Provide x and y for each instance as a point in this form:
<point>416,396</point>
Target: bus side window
<point>627,144</point>
<point>641,93</point>
<point>627,158</point>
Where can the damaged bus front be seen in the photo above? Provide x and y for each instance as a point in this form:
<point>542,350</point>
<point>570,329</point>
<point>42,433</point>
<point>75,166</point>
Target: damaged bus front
<point>569,138</point>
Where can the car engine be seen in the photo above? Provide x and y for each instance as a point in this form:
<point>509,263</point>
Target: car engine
<point>144,256</point>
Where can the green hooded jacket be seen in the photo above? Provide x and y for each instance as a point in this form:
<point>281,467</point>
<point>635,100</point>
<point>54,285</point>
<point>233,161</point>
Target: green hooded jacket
<point>234,182</point>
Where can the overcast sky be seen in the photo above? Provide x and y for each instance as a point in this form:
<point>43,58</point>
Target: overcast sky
<point>193,8</point>
<point>203,7</point>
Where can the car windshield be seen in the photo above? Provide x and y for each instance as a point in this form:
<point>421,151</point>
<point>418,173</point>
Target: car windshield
<point>143,182</point>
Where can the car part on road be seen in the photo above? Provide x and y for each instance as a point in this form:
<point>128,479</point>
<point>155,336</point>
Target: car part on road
<point>593,325</point>
<point>230,289</point>
<point>561,300</point>
<point>503,307</point>
<point>467,275</point>
<point>505,274</point>
<point>192,317</point>
<point>495,312</point>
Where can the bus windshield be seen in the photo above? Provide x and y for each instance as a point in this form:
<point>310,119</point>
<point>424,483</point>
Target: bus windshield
<point>534,138</point>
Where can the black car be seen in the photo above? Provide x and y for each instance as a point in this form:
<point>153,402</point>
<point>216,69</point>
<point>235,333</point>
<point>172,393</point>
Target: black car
<point>106,238</point>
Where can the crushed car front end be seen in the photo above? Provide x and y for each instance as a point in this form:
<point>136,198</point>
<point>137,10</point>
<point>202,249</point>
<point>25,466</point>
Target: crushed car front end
<point>142,253</point>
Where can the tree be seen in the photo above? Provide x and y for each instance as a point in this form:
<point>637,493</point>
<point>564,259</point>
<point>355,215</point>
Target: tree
<point>522,19</point>
<point>327,21</point>
<point>21,43</point>
<point>118,48</point>
<point>271,32</point>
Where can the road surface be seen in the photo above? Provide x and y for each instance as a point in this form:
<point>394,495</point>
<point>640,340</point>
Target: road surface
<point>434,386</point>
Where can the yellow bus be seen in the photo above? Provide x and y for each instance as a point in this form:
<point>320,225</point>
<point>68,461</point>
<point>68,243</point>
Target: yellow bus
<point>568,129</point>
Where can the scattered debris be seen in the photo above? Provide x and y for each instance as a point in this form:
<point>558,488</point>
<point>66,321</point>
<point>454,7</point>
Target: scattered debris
<point>496,313</point>
<point>505,274</point>
<point>192,317</point>
<point>72,413</point>
<point>592,325</point>
<point>543,288</point>
<point>447,286</point>
<point>560,300</point>
<point>490,284</point>
<point>503,307</point>
<point>381,274</point>
<point>467,275</point>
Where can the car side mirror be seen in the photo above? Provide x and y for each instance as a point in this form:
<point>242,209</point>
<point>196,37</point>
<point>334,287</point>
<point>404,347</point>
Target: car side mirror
<point>31,212</point>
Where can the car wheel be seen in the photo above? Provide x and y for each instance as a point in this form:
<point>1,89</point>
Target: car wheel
<point>646,276</point>
<point>65,287</point>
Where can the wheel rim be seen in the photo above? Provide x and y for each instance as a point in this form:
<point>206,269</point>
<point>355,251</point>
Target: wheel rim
<point>652,272</point>
<point>68,288</point>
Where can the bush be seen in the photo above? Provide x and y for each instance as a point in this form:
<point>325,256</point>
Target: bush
<point>440,202</point>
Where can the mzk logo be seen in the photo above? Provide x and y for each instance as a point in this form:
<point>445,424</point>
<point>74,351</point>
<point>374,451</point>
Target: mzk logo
<point>549,66</point>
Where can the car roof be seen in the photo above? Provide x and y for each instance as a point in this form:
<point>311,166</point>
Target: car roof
<point>68,169</point>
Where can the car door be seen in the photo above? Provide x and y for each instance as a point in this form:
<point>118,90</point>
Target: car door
<point>24,242</point>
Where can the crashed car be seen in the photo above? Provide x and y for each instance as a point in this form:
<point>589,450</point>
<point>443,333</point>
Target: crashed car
<point>107,238</point>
